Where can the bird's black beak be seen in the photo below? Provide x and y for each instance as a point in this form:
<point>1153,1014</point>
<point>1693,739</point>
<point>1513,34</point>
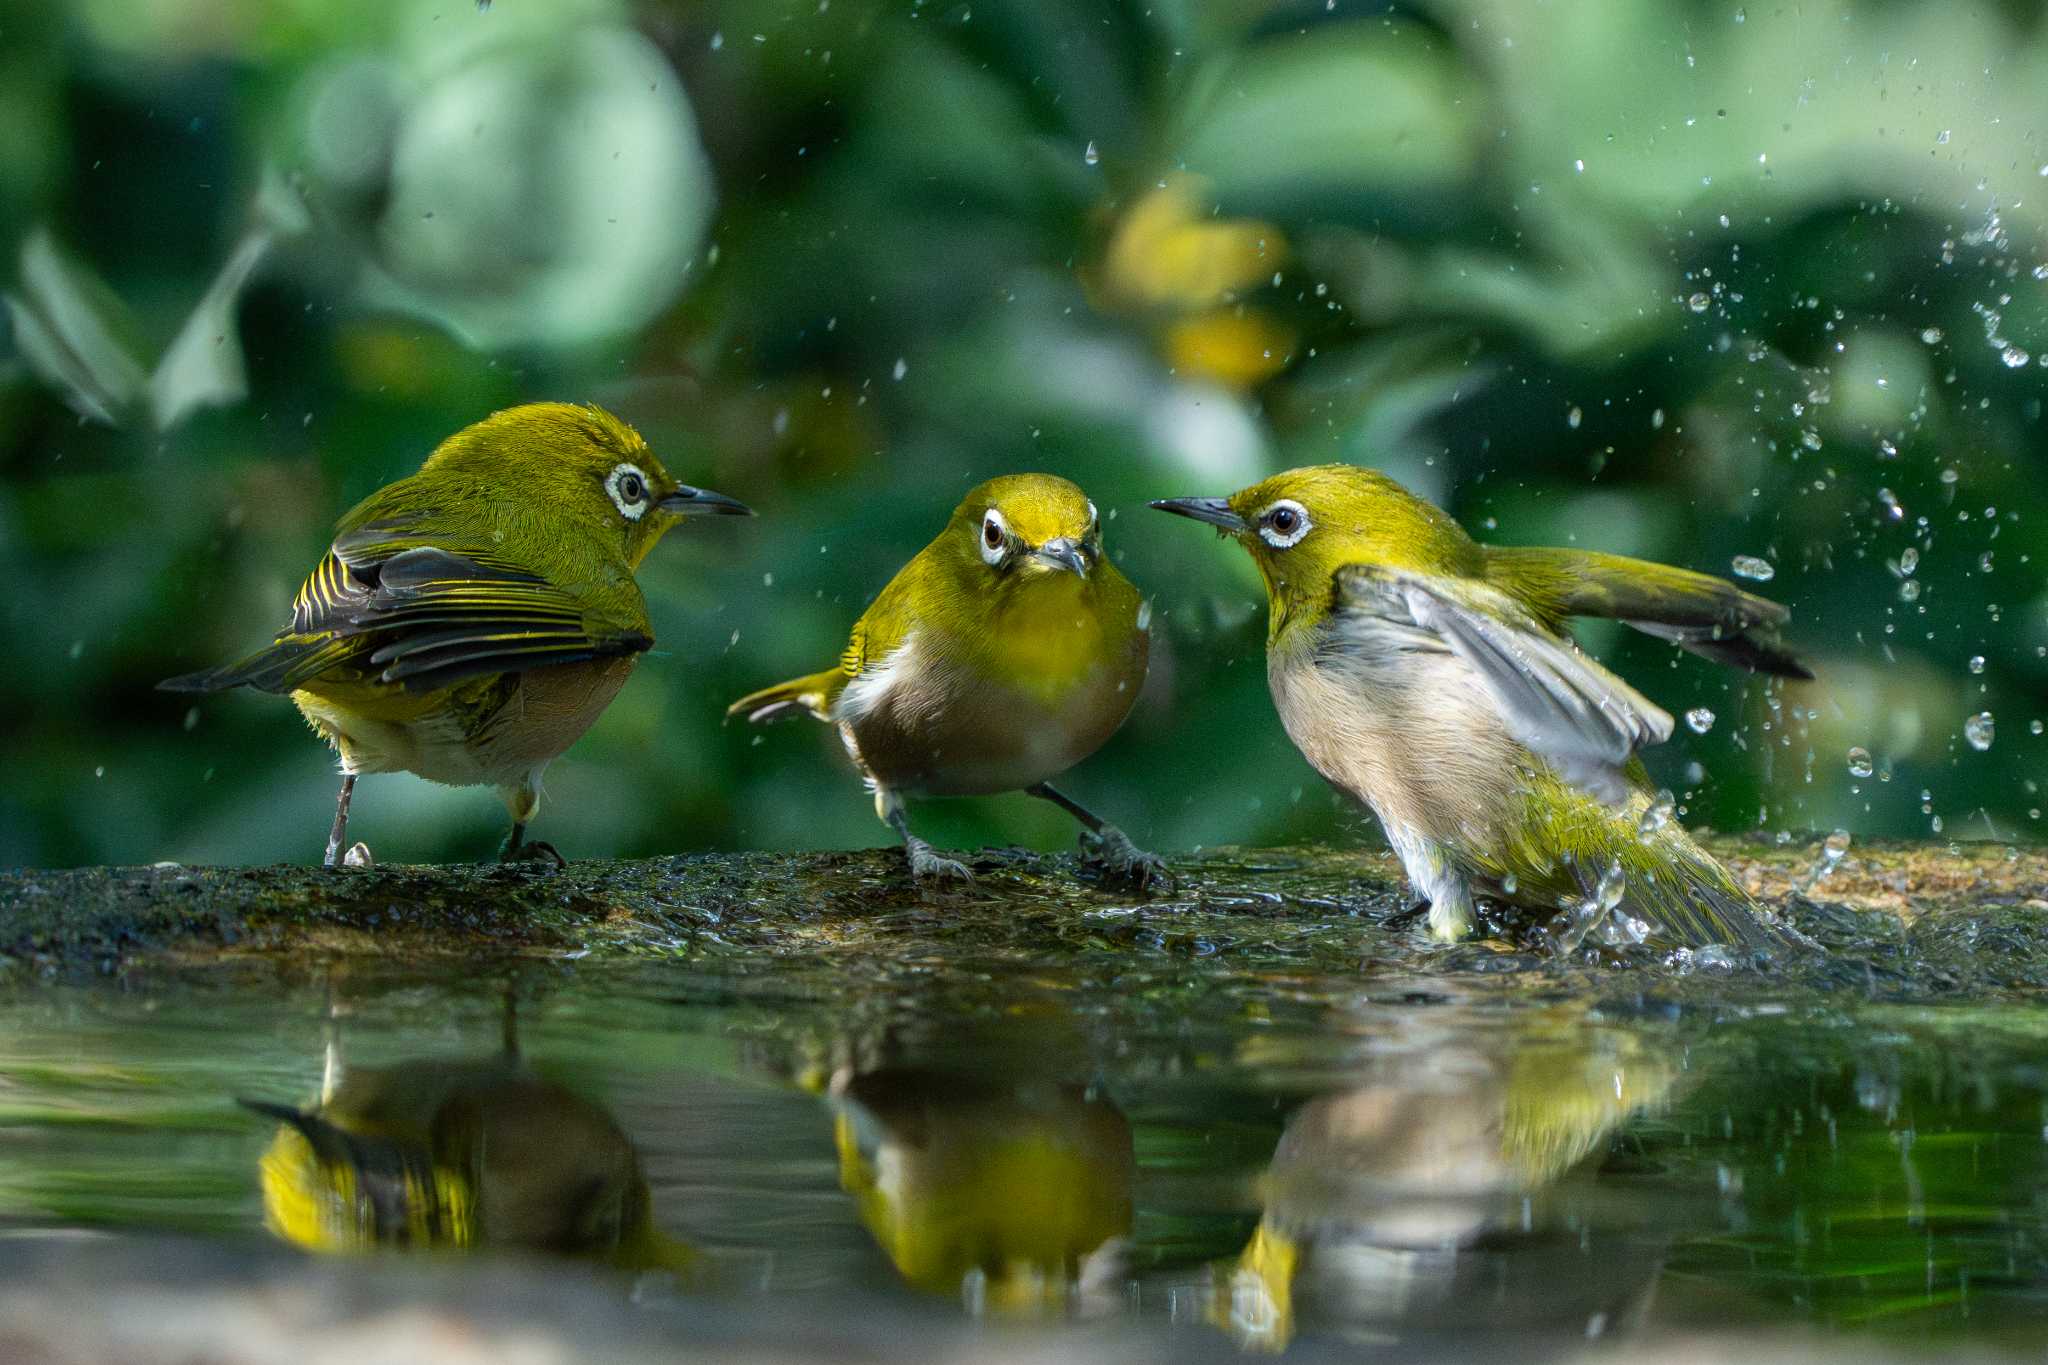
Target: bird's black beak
<point>1063,553</point>
<point>1215,511</point>
<point>702,502</point>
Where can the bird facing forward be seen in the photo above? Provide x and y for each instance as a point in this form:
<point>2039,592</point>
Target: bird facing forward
<point>1005,652</point>
<point>471,621</point>
<point>1432,678</point>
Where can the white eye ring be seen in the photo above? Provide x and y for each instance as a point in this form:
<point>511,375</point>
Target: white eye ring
<point>627,483</point>
<point>1094,517</point>
<point>994,537</point>
<point>1285,539</point>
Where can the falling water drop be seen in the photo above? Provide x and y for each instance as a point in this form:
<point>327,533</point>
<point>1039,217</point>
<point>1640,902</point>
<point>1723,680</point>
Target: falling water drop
<point>1090,155</point>
<point>1749,566</point>
<point>1978,729</point>
<point>1860,763</point>
<point>1700,719</point>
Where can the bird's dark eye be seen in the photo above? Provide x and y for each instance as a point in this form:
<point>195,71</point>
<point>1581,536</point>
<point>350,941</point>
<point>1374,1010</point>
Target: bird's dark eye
<point>631,488</point>
<point>1283,520</point>
<point>992,534</point>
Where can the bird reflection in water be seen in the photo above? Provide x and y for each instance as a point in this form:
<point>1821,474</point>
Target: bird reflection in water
<point>459,1154</point>
<point>1017,1197</point>
<point>1452,1189</point>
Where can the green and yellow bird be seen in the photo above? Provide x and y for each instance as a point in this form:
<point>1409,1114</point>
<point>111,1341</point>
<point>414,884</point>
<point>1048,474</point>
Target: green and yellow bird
<point>470,622</point>
<point>1005,652</point>
<point>1433,678</point>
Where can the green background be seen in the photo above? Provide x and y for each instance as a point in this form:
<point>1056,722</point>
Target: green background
<point>1681,280</point>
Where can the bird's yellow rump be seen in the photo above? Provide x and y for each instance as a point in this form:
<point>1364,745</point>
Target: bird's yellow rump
<point>470,622</point>
<point>1432,678</point>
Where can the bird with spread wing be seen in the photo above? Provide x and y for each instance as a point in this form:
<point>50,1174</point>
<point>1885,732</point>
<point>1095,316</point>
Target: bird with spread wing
<point>1433,678</point>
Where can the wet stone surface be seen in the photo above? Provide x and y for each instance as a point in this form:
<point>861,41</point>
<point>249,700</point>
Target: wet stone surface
<point>1919,917</point>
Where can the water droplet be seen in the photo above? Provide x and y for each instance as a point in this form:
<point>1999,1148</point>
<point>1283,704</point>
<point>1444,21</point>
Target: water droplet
<point>1699,303</point>
<point>1890,500</point>
<point>1909,591</point>
<point>1508,884</point>
<point>1976,663</point>
<point>1741,16</point>
<point>2014,357</point>
<point>1860,763</point>
<point>1909,560</point>
<point>1657,814</point>
<point>1979,730</point>
<point>717,41</point>
<point>1984,562</point>
<point>1613,883</point>
<point>1573,418</point>
<point>2034,727</point>
<point>1810,438</point>
<point>1749,566</point>
<point>1931,335</point>
<point>1700,719</point>
<point>1941,138</point>
<point>1579,165</point>
<point>902,368</point>
<point>1090,155</point>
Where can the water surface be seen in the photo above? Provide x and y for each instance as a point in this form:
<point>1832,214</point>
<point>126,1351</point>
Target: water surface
<point>1445,1157</point>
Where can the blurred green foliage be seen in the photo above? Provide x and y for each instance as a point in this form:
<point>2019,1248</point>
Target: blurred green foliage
<point>1677,279</point>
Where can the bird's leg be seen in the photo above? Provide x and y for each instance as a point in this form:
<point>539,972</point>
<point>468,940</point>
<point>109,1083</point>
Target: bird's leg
<point>1451,911</point>
<point>924,863</point>
<point>523,801</point>
<point>339,833</point>
<point>1106,846</point>
<point>1438,880</point>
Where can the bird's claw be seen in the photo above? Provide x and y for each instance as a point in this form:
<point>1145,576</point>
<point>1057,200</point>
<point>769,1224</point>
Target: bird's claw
<point>1113,852</point>
<point>533,851</point>
<point>926,865</point>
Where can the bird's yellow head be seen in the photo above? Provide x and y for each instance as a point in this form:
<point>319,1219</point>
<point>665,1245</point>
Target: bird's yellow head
<point>1021,527</point>
<point>1302,525</point>
<point>578,462</point>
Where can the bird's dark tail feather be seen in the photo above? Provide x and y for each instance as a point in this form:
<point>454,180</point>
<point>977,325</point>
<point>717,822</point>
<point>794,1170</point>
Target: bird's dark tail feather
<point>279,667</point>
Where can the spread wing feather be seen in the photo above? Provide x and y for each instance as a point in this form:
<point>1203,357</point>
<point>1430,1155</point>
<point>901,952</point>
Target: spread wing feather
<point>1566,708</point>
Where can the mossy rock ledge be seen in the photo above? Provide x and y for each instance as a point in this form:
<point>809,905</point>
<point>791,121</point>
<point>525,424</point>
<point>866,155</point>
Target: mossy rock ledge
<point>1318,903</point>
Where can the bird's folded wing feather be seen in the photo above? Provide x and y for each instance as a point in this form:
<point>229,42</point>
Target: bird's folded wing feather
<point>1566,708</point>
<point>387,604</point>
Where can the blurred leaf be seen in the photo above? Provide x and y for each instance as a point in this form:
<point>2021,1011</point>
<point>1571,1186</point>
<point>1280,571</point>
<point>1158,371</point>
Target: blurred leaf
<point>203,368</point>
<point>67,325</point>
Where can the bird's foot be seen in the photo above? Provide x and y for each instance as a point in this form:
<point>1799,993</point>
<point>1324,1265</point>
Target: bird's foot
<point>532,851</point>
<point>927,865</point>
<point>358,855</point>
<point>1113,852</point>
